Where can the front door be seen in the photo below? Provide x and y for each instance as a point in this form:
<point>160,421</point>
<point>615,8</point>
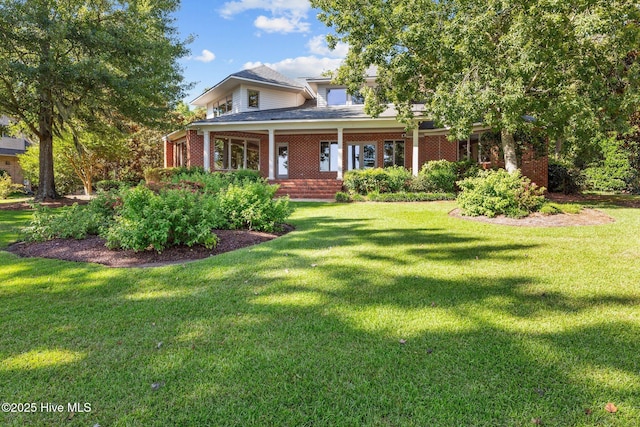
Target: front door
<point>282,160</point>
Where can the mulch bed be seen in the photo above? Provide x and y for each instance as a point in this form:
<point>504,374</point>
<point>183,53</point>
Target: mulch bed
<point>57,203</point>
<point>94,250</point>
<point>585,217</point>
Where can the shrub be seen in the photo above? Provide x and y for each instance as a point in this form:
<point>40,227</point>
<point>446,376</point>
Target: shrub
<point>173,217</point>
<point>499,192</point>
<point>342,197</point>
<point>614,172</point>
<point>109,184</point>
<point>76,222</point>
<point>387,180</point>
<point>409,197</point>
<point>7,187</point>
<point>564,178</point>
<point>252,206</point>
<point>438,175</point>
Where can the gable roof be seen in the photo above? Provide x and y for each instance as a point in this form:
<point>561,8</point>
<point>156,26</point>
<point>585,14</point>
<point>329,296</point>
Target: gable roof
<point>261,75</point>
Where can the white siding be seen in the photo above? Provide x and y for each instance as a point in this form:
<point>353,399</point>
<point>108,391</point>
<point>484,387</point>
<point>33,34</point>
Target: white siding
<point>270,98</point>
<point>237,100</point>
<point>322,96</point>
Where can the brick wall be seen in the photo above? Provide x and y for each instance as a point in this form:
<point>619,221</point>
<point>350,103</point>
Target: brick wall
<point>195,149</point>
<point>169,154</point>
<point>304,152</point>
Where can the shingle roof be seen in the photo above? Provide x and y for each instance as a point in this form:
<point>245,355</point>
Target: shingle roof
<point>307,111</point>
<point>267,75</point>
<point>10,151</point>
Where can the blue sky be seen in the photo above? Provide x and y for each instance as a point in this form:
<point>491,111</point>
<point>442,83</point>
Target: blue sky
<point>234,35</point>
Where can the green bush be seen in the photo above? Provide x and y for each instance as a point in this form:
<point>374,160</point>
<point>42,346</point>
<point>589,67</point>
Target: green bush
<point>342,197</point>
<point>614,172</point>
<point>387,180</point>
<point>7,187</point>
<point>252,206</point>
<point>404,196</point>
<point>75,222</point>
<point>499,192</point>
<point>564,178</point>
<point>110,184</point>
<point>155,221</point>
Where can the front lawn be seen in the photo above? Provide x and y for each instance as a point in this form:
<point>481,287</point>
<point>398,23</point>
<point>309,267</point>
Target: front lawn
<point>367,314</point>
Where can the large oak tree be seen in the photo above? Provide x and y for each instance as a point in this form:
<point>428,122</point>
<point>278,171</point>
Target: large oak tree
<point>569,65</point>
<point>87,62</point>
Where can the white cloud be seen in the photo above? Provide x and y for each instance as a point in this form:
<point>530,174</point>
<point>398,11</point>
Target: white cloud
<point>276,7</point>
<point>206,56</point>
<point>318,46</point>
<point>287,16</point>
<point>281,25</point>
<point>302,66</point>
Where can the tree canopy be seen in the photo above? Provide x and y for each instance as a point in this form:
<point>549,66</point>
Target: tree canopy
<point>569,65</point>
<point>99,63</point>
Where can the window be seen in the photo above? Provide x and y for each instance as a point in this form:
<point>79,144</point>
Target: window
<point>393,153</point>
<point>223,105</point>
<point>234,154</point>
<point>253,98</point>
<point>180,154</point>
<point>328,156</point>
<point>361,156</point>
<point>336,97</point>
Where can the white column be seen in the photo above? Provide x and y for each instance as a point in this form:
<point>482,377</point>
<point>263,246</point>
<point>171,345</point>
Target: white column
<point>164,140</point>
<point>272,154</point>
<point>340,145</point>
<point>414,159</point>
<point>206,155</point>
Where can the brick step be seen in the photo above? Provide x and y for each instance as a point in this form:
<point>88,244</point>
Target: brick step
<point>308,188</point>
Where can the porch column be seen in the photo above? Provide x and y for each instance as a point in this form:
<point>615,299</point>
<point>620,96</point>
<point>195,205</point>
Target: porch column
<point>206,155</point>
<point>414,159</point>
<point>340,145</point>
<point>164,140</point>
<point>272,154</point>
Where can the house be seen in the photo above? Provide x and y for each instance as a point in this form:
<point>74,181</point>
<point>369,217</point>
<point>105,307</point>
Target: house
<point>10,147</point>
<point>305,135</point>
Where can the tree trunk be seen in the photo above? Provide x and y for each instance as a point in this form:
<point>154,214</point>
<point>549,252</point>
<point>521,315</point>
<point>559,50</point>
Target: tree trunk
<point>46,182</point>
<point>558,148</point>
<point>509,149</point>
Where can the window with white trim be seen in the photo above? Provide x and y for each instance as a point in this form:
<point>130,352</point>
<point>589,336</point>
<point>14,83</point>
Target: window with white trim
<point>235,153</point>
<point>253,98</point>
<point>328,156</point>
<point>393,153</point>
<point>361,156</point>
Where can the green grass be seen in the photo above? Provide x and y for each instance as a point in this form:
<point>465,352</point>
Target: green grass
<point>500,325</point>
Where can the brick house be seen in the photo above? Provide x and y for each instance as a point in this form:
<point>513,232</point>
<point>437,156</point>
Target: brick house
<point>10,147</point>
<point>305,134</point>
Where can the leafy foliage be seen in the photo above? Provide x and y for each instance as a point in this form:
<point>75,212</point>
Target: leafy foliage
<point>252,205</point>
<point>70,63</point>
<point>572,66</point>
<point>498,192</point>
<point>342,197</point>
<point>404,196</point>
<point>614,172</point>
<point>564,178</point>
<point>148,220</point>
<point>6,185</point>
<point>182,213</point>
<point>387,180</point>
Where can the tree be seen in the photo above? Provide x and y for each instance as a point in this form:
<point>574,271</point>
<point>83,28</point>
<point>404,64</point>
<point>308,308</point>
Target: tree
<point>569,65</point>
<point>89,153</point>
<point>86,62</point>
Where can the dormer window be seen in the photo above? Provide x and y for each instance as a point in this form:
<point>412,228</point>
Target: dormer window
<point>337,96</point>
<point>223,105</point>
<point>340,96</point>
<point>253,100</point>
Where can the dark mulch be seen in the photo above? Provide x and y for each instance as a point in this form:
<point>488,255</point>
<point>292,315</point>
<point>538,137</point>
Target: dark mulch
<point>585,217</point>
<point>57,203</point>
<point>94,250</point>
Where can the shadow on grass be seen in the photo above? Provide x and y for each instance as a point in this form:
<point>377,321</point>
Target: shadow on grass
<point>286,334</point>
